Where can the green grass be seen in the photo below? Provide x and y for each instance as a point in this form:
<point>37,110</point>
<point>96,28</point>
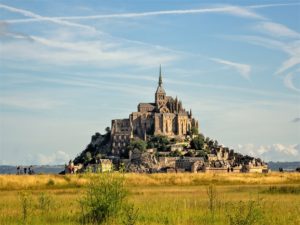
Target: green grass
<point>158,199</point>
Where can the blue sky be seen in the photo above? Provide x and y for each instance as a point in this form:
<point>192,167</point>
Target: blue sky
<point>68,68</point>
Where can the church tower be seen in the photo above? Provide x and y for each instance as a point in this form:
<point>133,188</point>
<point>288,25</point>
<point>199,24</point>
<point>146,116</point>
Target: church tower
<point>160,94</point>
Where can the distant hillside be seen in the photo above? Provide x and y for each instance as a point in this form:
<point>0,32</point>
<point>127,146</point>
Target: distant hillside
<point>46,169</point>
<point>274,166</point>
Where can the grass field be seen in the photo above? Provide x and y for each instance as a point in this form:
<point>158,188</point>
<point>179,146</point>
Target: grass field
<point>158,198</point>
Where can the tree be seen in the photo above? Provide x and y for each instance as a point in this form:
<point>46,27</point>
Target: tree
<point>194,131</point>
<point>216,144</point>
<point>197,142</point>
<point>88,156</point>
<point>107,129</point>
<point>160,142</point>
<point>139,144</point>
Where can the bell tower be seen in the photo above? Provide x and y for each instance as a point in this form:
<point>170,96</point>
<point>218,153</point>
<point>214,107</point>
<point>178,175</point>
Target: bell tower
<point>160,94</point>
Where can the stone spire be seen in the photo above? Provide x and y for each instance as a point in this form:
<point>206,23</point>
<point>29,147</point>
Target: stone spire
<point>160,77</point>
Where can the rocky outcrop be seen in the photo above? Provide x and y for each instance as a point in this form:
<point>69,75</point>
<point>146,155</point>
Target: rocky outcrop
<point>142,162</point>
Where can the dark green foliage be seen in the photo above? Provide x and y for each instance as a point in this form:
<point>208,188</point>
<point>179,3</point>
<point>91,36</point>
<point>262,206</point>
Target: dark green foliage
<point>190,153</point>
<point>139,144</point>
<point>197,142</point>
<point>194,131</point>
<point>160,142</point>
<point>103,200</point>
<point>100,144</point>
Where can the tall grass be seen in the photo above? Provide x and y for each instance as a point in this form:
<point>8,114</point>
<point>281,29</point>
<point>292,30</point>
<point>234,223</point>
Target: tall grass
<point>39,182</point>
<point>173,201</point>
<point>283,190</point>
<point>26,204</point>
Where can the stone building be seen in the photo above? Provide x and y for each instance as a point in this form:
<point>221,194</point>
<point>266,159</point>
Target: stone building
<point>191,164</point>
<point>166,116</point>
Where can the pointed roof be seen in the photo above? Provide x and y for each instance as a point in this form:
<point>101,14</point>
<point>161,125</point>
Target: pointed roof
<point>160,88</point>
<point>160,77</point>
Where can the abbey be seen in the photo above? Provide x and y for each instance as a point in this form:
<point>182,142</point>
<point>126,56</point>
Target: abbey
<point>166,116</point>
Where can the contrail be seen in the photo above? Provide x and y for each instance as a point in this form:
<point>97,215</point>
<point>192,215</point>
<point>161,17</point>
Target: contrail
<point>37,17</point>
<point>234,10</point>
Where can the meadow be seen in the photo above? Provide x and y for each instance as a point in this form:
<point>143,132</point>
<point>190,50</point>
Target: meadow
<point>182,198</point>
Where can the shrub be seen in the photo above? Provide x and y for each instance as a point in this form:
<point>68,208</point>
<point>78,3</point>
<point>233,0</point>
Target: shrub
<point>246,213</point>
<point>50,182</point>
<point>103,199</point>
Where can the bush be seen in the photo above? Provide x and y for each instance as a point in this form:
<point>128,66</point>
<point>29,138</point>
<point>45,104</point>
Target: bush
<point>246,213</point>
<point>103,199</point>
<point>50,182</point>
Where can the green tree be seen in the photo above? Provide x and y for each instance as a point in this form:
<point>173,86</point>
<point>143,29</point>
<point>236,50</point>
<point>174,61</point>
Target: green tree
<point>160,142</point>
<point>197,142</point>
<point>194,131</point>
<point>139,144</point>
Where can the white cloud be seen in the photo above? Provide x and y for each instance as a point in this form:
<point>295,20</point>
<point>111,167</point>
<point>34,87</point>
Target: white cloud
<point>43,18</point>
<point>100,53</point>
<point>273,152</point>
<point>292,48</point>
<point>232,10</point>
<point>57,158</point>
<point>243,69</point>
<point>29,102</point>
<point>276,29</point>
<point>288,82</point>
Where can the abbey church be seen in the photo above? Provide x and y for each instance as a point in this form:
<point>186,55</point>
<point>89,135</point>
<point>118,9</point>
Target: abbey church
<point>166,116</point>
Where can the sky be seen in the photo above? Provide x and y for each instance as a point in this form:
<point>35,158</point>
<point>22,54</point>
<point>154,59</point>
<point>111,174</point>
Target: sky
<point>67,68</point>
